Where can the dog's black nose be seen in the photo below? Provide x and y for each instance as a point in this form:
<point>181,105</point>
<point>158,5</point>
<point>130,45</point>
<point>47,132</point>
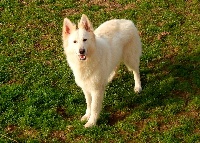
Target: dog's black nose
<point>82,51</point>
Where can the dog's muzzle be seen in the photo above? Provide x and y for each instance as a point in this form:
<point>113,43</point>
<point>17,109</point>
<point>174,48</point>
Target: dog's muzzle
<point>82,55</point>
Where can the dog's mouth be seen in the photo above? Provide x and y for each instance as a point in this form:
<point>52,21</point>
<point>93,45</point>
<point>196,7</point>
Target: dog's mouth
<point>82,57</point>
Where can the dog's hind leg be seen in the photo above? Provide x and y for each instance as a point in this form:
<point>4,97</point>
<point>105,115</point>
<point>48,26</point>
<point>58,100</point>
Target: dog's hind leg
<point>137,87</point>
<point>136,73</point>
<point>131,59</point>
<point>113,74</point>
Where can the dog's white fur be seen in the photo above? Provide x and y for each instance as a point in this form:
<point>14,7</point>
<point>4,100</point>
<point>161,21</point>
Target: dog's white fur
<point>112,42</point>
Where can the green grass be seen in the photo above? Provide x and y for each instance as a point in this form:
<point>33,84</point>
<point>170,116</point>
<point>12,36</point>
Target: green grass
<point>40,102</point>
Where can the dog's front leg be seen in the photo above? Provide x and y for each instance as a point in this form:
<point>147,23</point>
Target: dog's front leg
<point>88,110</point>
<point>96,105</point>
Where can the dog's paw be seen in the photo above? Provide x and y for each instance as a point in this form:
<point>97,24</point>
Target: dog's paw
<point>85,118</point>
<point>89,124</point>
<point>138,89</point>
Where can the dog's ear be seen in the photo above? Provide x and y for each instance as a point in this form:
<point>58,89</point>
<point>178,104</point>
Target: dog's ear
<point>85,23</point>
<point>68,28</point>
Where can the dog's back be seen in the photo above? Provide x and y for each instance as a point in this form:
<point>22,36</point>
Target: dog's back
<point>120,33</point>
<point>118,30</point>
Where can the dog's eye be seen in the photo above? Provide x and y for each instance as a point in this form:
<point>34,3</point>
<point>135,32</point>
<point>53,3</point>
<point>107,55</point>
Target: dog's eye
<point>84,40</point>
<point>75,41</point>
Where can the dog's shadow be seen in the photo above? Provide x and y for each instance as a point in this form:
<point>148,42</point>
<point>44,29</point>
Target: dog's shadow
<point>161,79</point>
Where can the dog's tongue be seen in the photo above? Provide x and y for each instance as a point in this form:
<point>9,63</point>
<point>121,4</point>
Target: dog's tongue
<point>82,57</point>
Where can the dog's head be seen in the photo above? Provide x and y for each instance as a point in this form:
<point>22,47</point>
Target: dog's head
<point>78,41</point>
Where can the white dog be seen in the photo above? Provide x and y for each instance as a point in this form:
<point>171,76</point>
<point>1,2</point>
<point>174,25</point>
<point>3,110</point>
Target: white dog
<point>94,57</point>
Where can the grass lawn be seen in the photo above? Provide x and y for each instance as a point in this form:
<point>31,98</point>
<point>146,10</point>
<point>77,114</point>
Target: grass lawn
<point>40,102</point>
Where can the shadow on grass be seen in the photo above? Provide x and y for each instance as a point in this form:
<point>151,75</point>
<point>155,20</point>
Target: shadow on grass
<point>166,82</point>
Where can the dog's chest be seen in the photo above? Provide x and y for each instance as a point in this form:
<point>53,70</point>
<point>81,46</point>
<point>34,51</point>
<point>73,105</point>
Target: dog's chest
<point>86,76</point>
<point>83,74</point>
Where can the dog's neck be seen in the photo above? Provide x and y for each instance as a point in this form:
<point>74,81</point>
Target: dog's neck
<point>84,70</point>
